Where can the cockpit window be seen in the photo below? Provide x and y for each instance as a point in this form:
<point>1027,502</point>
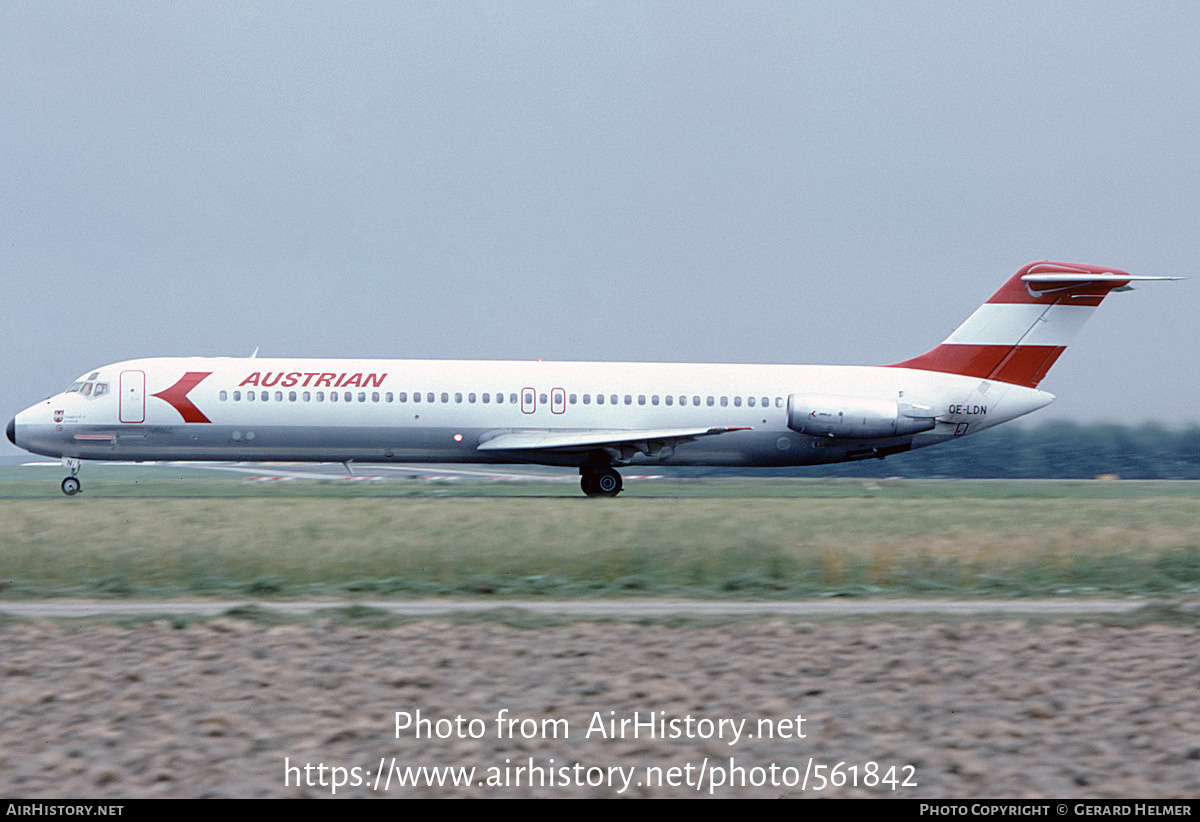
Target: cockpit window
<point>88,388</point>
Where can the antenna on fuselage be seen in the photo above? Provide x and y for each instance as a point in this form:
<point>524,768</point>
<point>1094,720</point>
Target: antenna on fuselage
<point>255,354</point>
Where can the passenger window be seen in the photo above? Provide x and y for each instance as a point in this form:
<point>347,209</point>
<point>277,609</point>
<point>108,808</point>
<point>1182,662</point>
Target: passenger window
<point>629,399</point>
<point>402,396</point>
<point>641,399</point>
<point>224,395</point>
<point>487,398</point>
<point>237,396</point>
<point>670,400</point>
<point>654,399</point>
<point>737,402</point>
<point>587,399</point>
<point>306,396</point>
<point>599,399</point>
<point>278,396</point>
<point>374,396</point>
<point>320,396</point>
<point>470,398</point>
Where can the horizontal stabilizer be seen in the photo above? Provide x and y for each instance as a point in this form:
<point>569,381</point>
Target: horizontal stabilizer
<point>1091,278</point>
<point>1044,283</point>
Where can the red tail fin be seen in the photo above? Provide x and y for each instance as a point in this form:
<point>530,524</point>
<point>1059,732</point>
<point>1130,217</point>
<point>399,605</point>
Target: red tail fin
<point>1021,331</point>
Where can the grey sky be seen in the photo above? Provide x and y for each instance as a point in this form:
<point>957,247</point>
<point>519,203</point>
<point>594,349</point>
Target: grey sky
<point>744,182</point>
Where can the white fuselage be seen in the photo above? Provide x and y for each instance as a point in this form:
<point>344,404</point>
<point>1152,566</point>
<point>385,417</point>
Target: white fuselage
<point>445,410</point>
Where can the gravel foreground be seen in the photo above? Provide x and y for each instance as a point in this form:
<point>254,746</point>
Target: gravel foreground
<point>238,709</point>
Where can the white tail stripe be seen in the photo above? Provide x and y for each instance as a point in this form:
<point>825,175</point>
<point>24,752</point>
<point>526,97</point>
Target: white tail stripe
<point>1022,323</point>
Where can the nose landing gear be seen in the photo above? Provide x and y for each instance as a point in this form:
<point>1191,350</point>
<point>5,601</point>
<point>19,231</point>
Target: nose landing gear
<point>71,485</point>
<point>599,481</point>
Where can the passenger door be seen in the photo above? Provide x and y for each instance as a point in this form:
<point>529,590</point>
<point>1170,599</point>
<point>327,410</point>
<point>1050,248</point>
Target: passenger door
<point>133,396</point>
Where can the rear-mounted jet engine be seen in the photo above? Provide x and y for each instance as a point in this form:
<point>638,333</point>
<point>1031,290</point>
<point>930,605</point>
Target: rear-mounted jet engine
<point>832,415</point>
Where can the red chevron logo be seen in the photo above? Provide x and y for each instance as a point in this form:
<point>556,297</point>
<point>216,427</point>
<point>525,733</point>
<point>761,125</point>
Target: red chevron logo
<point>177,396</point>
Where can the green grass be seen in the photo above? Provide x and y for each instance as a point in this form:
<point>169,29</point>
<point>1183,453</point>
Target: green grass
<point>155,531</point>
<point>186,482</point>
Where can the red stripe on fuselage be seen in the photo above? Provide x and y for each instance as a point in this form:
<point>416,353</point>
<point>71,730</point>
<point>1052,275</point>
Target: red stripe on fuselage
<point>176,395</point>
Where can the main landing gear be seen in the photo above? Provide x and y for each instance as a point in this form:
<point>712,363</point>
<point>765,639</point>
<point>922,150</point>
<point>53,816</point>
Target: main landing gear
<point>71,485</point>
<point>599,481</point>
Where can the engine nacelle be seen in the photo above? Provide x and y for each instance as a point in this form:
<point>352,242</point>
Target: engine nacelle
<point>833,415</point>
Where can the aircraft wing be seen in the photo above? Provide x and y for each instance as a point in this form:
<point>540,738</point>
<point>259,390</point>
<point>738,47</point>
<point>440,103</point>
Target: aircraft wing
<point>645,440</point>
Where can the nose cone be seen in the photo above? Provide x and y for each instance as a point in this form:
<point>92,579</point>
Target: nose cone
<point>11,430</point>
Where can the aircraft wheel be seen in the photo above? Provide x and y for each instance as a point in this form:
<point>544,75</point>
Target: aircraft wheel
<point>608,483</point>
<point>71,486</point>
<point>600,482</point>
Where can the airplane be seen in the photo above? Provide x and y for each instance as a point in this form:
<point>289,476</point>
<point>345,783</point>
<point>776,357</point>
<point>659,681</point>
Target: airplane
<point>594,416</point>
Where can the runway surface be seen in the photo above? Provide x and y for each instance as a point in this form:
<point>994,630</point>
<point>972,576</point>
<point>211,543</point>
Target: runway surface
<point>598,608</point>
